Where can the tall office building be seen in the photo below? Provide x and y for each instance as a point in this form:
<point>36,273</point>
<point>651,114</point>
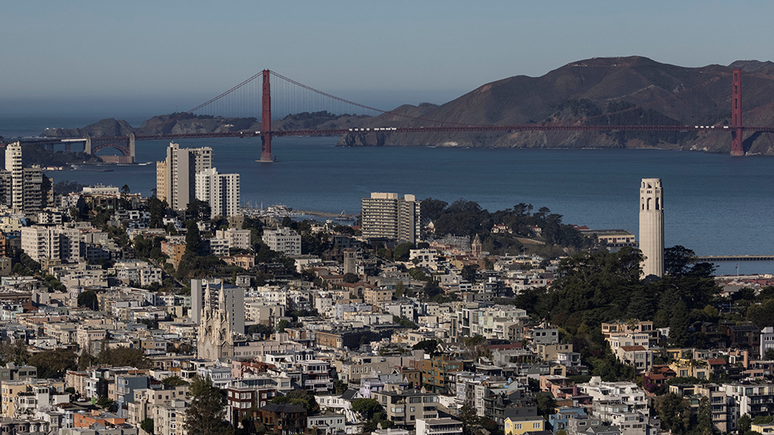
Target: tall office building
<point>386,216</point>
<point>13,164</point>
<point>652,226</point>
<point>221,191</point>
<point>176,176</point>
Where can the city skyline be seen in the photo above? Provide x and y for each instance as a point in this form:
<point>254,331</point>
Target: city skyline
<point>162,58</point>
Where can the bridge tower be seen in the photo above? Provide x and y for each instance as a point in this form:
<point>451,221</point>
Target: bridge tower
<point>131,148</point>
<point>737,149</point>
<point>266,156</point>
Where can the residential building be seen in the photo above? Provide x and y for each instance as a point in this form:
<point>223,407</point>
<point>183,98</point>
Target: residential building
<point>178,174</point>
<point>386,216</point>
<point>42,243</point>
<point>405,407</point>
<point>520,425</point>
<point>237,239</point>
<point>438,426</point>
<point>221,191</point>
<point>283,240</point>
<point>283,418</point>
<point>13,164</point>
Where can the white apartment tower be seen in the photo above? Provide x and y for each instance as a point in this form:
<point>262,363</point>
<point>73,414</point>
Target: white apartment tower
<point>221,191</point>
<point>652,226</point>
<point>13,164</point>
<point>385,215</point>
<point>176,176</point>
<point>282,240</point>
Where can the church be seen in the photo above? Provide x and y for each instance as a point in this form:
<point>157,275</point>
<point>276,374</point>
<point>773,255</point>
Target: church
<point>216,339</point>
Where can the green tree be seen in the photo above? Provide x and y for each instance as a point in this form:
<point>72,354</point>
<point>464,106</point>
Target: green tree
<point>769,355</point>
<point>366,407</point>
<point>762,315</point>
<point>105,402</point>
<point>399,289</point>
<point>53,364</point>
<point>429,346</point>
<point>206,415</point>
<point>545,403</point>
<point>198,210</point>
<point>174,381</point>
<point>469,419</point>
<point>401,252</point>
<point>678,325</point>
<point>282,325</point>
<point>88,299</point>
<point>744,424</point>
<point>676,260</point>
<point>157,209</point>
<point>469,272</point>
<point>350,277</point>
<point>193,239</point>
<point>147,425</point>
<point>675,413</point>
<point>704,424</point>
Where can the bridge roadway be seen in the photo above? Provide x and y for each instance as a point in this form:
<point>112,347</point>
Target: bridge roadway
<point>438,129</point>
<point>712,258</point>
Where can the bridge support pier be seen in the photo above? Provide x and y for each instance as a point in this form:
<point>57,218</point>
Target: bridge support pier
<point>737,147</point>
<point>266,156</point>
<point>131,148</point>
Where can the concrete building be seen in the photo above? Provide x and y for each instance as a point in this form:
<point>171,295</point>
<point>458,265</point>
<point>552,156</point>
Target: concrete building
<point>13,164</point>
<point>652,226</point>
<point>407,406</point>
<point>386,216</point>
<point>237,239</point>
<point>42,243</point>
<point>283,240</point>
<point>438,426</point>
<point>177,174</point>
<point>221,191</point>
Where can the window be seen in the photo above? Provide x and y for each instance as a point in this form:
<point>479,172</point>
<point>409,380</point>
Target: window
<point>536,425</point>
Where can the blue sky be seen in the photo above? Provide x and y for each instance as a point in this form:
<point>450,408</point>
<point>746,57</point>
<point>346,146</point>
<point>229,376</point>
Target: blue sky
<point>150,56</point>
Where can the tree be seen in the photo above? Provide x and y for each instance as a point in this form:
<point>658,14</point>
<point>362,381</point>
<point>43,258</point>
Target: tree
<point>174,381</point>
<point>469,272</point>
<point>429,346</point>
<point>299,397</point>
<point>156,208</point>
<point>675,413</point>
<point>769,355</point>
<point>206,414</point>
<point>147,425</point>
<point>350,277</point>
<point>676,260</point>
<point>282,325</point>
<point>193,239</point>
<point>678,325</point>
<point>366,407</point>
<point>545,403</point>
<point>88,299</point>
<point>401,252</point>
<point>744,424</point>
<point>198,210</point>
<point>469,418</point>
<point>704,424</point>
<point>53,364</point>
<point>261,329</point>
<point>399,289</point>
<point>105,402</point>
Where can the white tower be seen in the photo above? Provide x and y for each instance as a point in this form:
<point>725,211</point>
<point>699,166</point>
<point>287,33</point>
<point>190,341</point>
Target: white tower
<point>652,226</point>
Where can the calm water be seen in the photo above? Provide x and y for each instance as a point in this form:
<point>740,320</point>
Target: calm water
<point>714,204</point>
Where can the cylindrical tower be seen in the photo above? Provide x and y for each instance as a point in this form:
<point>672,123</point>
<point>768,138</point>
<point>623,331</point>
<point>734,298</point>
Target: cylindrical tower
<point>652,226</point>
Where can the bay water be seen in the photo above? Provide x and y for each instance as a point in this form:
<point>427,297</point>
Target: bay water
<point>713,204</point>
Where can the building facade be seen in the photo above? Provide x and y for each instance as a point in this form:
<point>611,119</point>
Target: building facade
<point>221,191</point>
<point>177,174</point>
<point>386,216</point>
<point>283,240</point>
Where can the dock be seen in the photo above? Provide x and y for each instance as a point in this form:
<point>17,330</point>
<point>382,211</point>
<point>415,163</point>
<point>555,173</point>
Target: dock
<point>713,258</point>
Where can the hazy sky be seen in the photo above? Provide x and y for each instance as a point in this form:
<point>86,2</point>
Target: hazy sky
<point>147,56</point>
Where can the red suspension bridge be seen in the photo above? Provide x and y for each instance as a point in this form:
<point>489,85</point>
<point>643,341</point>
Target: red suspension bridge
<point>242,101</point>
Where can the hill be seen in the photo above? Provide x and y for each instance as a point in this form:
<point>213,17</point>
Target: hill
<point>631,90</point>
<point>608,91</point>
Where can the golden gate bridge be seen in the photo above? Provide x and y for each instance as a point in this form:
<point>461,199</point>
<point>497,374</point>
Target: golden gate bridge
<point>241,101</point>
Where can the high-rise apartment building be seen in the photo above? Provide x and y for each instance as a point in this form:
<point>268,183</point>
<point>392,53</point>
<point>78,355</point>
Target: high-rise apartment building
<point>176,176</point>
<point>283,240</point>
<point>42,243</point>
<point>13,164</point>
<point>386,216</point>
<point>652,226</point>
<point>221,191</point>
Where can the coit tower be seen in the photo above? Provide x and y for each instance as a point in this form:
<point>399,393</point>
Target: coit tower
<point>652,226</point>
